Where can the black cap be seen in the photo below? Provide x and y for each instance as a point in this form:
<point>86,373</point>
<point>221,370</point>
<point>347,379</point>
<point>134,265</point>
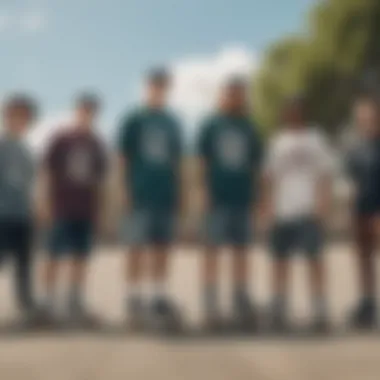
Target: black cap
<point>159,75</point>
<point>23,102</point>
<point>88,100</point>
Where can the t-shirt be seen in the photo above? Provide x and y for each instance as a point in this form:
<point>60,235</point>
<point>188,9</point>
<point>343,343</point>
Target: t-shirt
<point>296,162</point>
<point>151,141</point>
<point>76,162</point>
<point>363,166</point>
<point>16,179</point>
<point>231,150</point>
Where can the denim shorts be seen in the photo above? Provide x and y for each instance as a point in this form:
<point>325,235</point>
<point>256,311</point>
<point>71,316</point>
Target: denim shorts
<point>71,238</point>
<point>149,227</point>
<point>228,226</point>
<point>303,234</point>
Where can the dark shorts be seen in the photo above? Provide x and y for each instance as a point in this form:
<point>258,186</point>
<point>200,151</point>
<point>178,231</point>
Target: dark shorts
<point>149,227</point>
<point>228,227</point>
<point>304,234</point>
<point>71,237</point>
<point>15,236</point>
<point>367,208</point>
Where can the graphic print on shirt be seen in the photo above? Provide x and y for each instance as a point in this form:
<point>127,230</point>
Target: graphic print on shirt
<point>297,158</point>
<point>232,149</point>
<point>17,172</point>
<point>155,145</point>
<point>79,165</point>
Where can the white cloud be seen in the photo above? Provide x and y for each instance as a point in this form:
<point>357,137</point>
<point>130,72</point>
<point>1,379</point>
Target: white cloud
<point>198,79</point>
<point>45,130</point>
<point>33,21</point>
<point>5,20</point>
<point>26,21</point>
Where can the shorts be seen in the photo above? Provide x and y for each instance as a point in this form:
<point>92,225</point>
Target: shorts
<point>71,238</point>
<point>228,227</point>
<point>304,234</point>
<point>367,208</point>
<point>15,236</point>
<point>149,227</point>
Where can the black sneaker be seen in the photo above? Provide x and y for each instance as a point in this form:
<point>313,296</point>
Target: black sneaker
<point>214,323</point>
<point>365,316</point>
<point>82,318</point>
<point>245,315</point>
<point>164,316</point>
<point>321,325</point>
<point>280,323</point>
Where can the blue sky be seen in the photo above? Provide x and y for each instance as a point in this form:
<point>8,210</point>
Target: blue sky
<point>57,47</point>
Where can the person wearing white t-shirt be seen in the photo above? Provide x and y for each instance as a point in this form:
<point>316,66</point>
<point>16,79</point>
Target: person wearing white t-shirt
<point>297,191</point>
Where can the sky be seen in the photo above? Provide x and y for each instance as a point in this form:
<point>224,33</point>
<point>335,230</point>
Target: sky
<point>55,48</point>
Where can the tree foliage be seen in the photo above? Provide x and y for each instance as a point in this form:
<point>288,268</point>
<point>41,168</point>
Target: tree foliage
<point>339,51</point>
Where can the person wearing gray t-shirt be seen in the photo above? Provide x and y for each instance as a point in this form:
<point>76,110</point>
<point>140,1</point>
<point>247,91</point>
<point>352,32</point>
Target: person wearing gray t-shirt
<point>16,180</point>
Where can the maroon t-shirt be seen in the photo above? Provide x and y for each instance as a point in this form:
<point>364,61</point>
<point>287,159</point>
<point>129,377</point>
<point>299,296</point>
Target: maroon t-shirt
<point>76,163</point>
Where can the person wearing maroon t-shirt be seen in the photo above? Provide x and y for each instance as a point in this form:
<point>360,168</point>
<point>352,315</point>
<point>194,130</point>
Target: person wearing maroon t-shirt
<point>74,168</point>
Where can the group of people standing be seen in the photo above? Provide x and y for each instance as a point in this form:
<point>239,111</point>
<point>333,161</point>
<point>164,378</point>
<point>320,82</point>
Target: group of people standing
<point>284,187</point>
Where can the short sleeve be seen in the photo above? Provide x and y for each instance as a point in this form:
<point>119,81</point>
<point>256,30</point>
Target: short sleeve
<point>51,157</point>
<point>126,136</point>
<point>257,148</point>
<point>325,156</point>
<point>178,139</point>
<point>101,159</point>
<point>203,143</point>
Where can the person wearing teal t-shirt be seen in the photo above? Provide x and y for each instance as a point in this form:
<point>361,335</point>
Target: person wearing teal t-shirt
<point>150,148</point>
<point>229,149</point>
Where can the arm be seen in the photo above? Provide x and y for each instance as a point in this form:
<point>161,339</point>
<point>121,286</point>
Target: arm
<point>43,188</point>
<point>121,175</point>
<point>125,145</point>
<point>324,185</point>
<point>266,184</point>
<point>201,167</point>
<point>42,196</point>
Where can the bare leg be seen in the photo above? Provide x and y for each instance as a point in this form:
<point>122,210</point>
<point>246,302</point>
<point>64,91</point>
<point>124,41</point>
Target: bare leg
<point>210,281</point>
<point>365,246</point>
<point>50,277</point>
<point>77,279</point>
<point>134,266</point>
<point>280,285</point>
<point>134,273</point>
<point>317,286</point>
<point>160,269</point>
<point>240,266</point>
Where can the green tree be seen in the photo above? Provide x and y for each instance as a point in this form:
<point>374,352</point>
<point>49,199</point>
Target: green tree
<point>325,63</point>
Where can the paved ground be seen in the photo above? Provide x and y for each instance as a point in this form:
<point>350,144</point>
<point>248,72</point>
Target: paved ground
<point>114,357</point>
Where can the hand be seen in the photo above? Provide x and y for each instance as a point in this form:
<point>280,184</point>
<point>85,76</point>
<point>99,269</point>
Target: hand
<point>44,215</point>
<point>264,219</point>
<point>204,201</point>
<point>126,204</point>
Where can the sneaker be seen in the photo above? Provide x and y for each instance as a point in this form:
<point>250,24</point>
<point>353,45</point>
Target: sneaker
<point>164,316</point>
<point>214,323</point>
<point>245,315</point>
<point>280,322</point>
<point>82,318</point>
<point>321,325</point>
<point>365,316</point>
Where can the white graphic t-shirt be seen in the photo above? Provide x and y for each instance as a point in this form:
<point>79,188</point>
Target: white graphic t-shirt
<point>296,161</point>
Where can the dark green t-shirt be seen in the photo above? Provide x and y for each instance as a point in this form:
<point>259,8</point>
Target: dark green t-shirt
<point>151,141</point>
<point>231,149</point>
